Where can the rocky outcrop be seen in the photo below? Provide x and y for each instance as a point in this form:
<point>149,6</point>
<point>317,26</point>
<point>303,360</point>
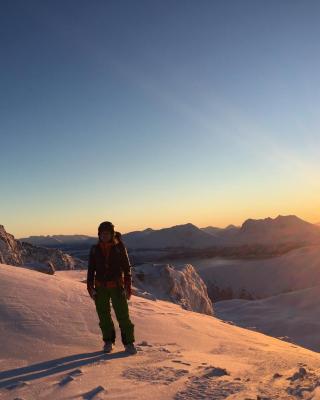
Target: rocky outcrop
<point>14,252</point>
<point>178,284</point>
<point>60,260</point>
<point>45,267</point>
<point>10,249</point>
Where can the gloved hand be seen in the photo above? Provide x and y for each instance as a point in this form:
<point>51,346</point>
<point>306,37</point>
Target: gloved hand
<point>92,292</point>
<point>128,286</point>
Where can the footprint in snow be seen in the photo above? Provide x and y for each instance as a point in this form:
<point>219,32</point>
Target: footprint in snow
<point>181,362</point>
<point>165,349</point>
<point>144,343</point>
<point>214,371</point>
<point>16,385</point>
<point>70,377</point>
<point>210,385</point>
<point>303,382</point>
<point>155,375</point>
<point>92,393</point>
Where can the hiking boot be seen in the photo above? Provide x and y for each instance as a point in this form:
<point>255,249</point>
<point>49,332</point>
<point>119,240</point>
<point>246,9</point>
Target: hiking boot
<point>130,348</point>
<point>108,346</point>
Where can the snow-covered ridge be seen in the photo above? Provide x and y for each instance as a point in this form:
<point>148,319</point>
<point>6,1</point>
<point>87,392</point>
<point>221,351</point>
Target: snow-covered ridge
<point>181,285</point>
<point>18,253</point>
<point>58,240</point>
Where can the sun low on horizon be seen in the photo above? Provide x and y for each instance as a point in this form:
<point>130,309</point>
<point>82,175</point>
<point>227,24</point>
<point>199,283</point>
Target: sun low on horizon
<point>154,114</point>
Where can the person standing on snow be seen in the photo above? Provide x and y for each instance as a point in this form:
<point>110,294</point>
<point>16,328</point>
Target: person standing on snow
<point>109,277</point>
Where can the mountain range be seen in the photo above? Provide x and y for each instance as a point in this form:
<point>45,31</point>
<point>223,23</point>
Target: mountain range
<point>255,237</point>
<point>288,228</point>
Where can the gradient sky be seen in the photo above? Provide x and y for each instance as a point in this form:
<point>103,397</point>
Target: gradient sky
<point>157,113</point>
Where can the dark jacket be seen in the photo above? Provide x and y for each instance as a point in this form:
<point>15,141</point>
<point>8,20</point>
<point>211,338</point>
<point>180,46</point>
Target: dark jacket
<point>114,267</point>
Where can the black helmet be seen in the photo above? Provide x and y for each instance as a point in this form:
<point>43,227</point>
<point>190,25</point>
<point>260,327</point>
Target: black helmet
<point>106,226</point>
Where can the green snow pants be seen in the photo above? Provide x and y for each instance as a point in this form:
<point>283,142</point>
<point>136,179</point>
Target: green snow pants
<point>121,309</point>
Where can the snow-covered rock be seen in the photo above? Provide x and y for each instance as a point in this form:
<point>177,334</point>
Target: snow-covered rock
<point>181,285</point>
<point>18,253</point>
<point>42,255</point>
<point>10,249</point>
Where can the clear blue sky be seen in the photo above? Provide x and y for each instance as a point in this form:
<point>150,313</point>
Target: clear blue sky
<point>155,113</point>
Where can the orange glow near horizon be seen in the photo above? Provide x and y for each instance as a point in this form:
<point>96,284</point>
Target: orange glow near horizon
<point>90,229</point>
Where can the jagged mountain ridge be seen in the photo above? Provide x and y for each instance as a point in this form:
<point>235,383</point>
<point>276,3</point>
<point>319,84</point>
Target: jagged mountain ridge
<point>266,231</point>
<point>57,240</point>
<point>282,229</point>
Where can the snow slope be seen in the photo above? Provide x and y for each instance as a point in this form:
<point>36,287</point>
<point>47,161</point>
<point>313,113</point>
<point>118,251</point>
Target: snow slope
<point>294,315</point>
<point>50,349</point>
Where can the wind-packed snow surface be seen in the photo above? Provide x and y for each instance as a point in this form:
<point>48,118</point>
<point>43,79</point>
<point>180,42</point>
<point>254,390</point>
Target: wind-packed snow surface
<point>51,349</point>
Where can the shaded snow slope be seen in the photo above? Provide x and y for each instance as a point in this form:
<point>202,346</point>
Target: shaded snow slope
<point>294,316</point>
<point>51,350</point>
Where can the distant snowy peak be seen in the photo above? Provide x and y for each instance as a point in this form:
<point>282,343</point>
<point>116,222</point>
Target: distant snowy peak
<point>185,235</point>
<point>231,226</point>
<point>267,231</point>
<point>55,240</point>
<point>280,229</point>
<point>215,231</point>
<point>280,222</point>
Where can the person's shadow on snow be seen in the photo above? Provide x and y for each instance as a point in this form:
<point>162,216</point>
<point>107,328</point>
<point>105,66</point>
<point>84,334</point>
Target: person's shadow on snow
<point>13,377</point>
